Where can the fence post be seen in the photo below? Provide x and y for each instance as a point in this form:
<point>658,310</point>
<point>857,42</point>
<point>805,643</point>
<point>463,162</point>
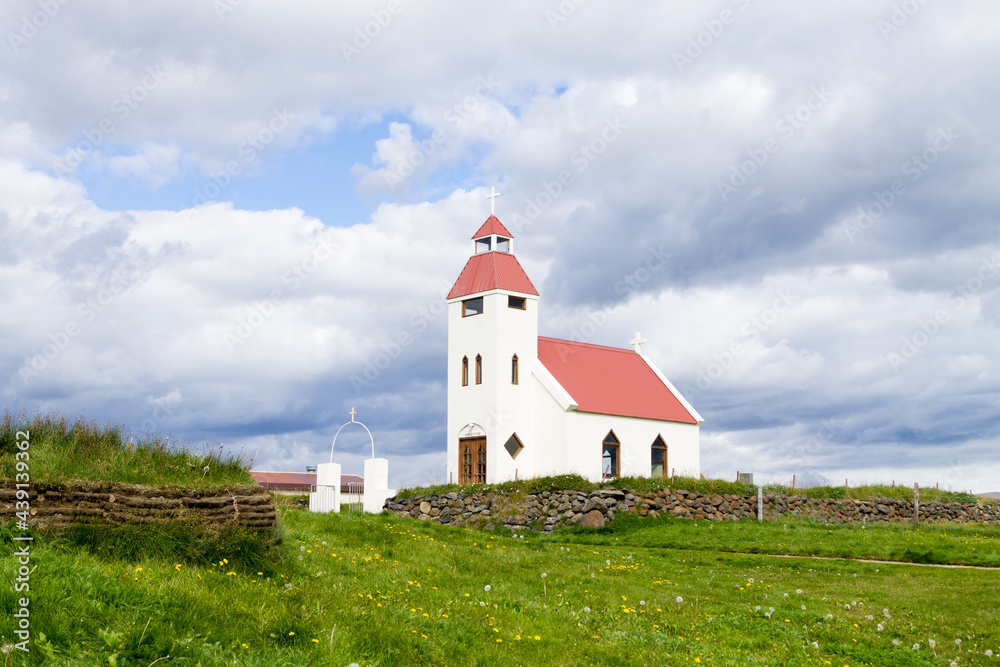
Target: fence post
<point>760,504</point>
<point>916,503</point>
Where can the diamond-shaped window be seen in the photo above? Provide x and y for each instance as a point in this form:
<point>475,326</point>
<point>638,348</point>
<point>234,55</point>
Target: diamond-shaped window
<point>513,446</point>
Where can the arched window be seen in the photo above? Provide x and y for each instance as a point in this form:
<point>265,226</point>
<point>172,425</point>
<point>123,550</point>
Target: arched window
<point>610,459</point>
<point>479,369</point>
<point>658,458</point>
<point>513,369</point>
<point>465,371</point>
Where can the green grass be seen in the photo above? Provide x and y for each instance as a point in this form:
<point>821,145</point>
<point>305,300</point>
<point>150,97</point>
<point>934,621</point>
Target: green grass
<point>952,544</point>
<point>63,451</point>
<point>381,590</point>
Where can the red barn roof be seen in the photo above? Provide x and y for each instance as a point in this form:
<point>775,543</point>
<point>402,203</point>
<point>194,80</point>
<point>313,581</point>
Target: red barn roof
<point>492,270</point>
<point>610,381</point>
<point>492,226</point>
<point>299,481</point>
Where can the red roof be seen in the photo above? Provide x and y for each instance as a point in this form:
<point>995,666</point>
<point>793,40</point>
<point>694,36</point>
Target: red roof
<point>492,270</point>
<point>492,226</point>
<point>299,481</point>
<point>610,381</point>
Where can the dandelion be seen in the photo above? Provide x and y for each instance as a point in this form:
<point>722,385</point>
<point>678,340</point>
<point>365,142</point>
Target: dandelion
<point>679,599</point>
<point>786,595</point>
<point>537,638</point>
<point>642,603</point>
<point>798,591</point>
<point>177,567</point>
<point>586,610</point>
<point>829,617</point>
<point>291,634</point>
<point>482,604</point>
<point>958,642</point>
<point>989,653</point>
<point>931,643</point>
<point>896,642</point>
<point>803,607</point>
<point>879,628</point>
<point>757,608</point>
<point>916,647</point>
<point>815,644</point>
<point>487,588</point>
<point>544,575</point>
<point>750,580</point>
<point>315,641</point>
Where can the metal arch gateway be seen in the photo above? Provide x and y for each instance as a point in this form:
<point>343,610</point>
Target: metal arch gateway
<point>352,413</point>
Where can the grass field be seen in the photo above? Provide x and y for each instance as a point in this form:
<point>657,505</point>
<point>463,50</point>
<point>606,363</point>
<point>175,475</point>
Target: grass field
<point>381,590</point>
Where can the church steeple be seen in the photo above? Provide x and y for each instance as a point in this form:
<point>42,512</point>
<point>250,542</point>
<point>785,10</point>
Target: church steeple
<point>492,265</point>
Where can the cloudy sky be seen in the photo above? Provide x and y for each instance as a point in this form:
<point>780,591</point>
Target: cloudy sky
<point>216,215</point>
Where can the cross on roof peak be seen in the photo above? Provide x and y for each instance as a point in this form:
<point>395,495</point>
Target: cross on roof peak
<point>637,341</point>
<point>352,413</point>
<point>493,200</point>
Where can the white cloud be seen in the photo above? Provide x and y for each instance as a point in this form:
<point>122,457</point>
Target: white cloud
<point>156,165</point>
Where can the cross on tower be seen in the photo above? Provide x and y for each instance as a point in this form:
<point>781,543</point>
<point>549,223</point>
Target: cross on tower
<point>352,413</point>
<point>493,199</point>
<point>637,341</point>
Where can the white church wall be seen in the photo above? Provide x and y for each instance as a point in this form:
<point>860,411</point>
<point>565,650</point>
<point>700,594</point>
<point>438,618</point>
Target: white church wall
<point>587,431</point>
<point>549,443</point>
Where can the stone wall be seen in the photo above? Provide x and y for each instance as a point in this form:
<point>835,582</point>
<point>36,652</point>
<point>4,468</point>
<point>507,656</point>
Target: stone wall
<point>58,505</point>
<point>550,509</point>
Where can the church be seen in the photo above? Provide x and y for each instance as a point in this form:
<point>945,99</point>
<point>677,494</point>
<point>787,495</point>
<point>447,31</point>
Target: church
<point>522,405</point>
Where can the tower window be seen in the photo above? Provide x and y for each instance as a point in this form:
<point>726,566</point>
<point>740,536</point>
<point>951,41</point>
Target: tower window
<point>479,369</point>
<point>465,371</point>
<point>516,302</point>
<point>472,307</point>
<point>483,245</point>
<point>513,369</point>
<point>503,245</point>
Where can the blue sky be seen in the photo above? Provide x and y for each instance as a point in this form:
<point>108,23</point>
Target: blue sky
<point>212,222</point>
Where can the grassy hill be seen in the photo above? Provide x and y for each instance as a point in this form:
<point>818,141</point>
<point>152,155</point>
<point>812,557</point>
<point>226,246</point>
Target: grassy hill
<point>65,451</point>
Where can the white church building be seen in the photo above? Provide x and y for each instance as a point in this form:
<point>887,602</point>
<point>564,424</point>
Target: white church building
<point>522,405</point>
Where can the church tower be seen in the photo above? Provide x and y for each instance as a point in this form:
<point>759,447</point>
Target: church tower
<point>492,348</point>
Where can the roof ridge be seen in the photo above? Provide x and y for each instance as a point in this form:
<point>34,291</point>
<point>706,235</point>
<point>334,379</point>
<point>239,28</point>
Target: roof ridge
<point>593,345</point>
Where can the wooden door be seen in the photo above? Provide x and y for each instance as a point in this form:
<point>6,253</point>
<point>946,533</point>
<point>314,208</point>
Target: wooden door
<point>472,461</point>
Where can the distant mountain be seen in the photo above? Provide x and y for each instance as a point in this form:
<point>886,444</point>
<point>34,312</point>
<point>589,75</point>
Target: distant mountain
<point>990,496</point>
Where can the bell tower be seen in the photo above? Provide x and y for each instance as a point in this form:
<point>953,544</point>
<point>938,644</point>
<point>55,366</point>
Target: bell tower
<point>492,347</point>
